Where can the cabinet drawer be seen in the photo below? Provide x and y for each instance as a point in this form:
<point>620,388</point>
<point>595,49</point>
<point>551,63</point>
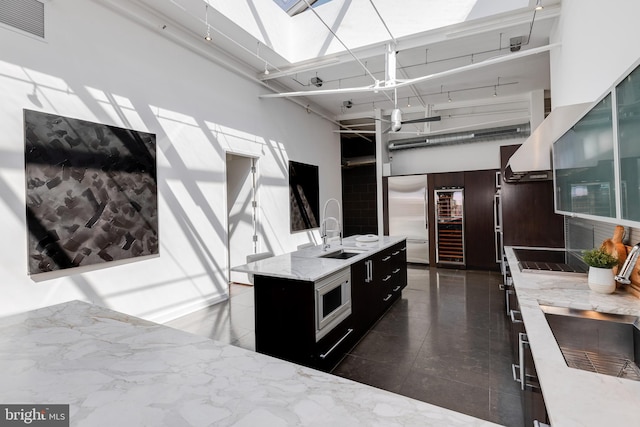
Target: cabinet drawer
<point>332,348</point>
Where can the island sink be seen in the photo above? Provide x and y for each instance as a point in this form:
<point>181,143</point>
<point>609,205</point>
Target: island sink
<point>598,342</point>
<point>342,254</point>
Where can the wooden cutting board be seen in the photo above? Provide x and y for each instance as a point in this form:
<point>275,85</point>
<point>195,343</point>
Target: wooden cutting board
<point>615,247</point>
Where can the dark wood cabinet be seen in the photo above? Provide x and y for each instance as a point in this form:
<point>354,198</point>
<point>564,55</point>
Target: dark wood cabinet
<point>480,189</point>
<point>377,282</point>
<point>286,310</point>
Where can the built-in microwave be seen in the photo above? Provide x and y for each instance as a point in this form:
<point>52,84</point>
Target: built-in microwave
<point>333,301</point>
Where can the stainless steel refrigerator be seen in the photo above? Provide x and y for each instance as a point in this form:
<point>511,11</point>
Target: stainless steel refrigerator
<point>408,214</point>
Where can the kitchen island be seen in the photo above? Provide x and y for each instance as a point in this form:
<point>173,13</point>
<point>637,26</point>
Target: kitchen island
<point>313,305</point>
<point>573,397</point>
<point>115,369</point>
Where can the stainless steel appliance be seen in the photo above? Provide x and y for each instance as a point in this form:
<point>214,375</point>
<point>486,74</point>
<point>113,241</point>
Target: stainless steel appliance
<point>408,214</point>
<point>333,301</point>
<point>450,225</point>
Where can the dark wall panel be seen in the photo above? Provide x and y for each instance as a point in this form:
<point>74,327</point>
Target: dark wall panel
<point>359,192</point>
<point>528,212</point>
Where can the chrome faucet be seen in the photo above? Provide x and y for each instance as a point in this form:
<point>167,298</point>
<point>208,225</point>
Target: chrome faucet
<point>627,268</point>
<point>323,225</point>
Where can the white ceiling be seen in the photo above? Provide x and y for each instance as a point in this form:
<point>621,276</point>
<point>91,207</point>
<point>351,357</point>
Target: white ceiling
<point>437,51</point>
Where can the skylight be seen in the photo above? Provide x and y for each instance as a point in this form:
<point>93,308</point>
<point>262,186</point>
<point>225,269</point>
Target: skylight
<point>293,7</point>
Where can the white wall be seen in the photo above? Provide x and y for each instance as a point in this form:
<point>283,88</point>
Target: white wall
<point>98,66</point>
<point>599,43</point>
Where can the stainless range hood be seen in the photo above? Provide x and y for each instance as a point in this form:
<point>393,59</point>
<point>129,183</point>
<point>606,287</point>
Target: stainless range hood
<point>532,161</point>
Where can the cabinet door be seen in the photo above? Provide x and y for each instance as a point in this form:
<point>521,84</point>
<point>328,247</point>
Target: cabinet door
<point>285,318</point>
<point>332,348</point>
<point>583,165</point>
<point>628,106</point>
<point>361,296</point>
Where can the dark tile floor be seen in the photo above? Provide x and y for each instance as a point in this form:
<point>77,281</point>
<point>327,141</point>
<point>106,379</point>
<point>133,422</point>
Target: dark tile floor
<point>446,342</point>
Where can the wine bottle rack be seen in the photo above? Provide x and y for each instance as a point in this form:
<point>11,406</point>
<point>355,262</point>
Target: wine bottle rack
<point>450,226</point>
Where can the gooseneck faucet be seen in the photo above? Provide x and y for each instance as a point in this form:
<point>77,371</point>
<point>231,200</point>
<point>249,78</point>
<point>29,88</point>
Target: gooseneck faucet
<point>627,268</point>
<point>323,225</point>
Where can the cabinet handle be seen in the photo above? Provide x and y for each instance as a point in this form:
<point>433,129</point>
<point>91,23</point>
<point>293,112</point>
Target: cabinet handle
<point>522,339</point>
<point>512,313</point>
<point>514,371</point>
<point>508,303</point>
<point>397,288</point>
<point>386,278</point>
<point>387,258</point>
<point>369,273</point>
<point>387,298</point>
<point>403,249</point>
<point>395,253</point>
<point>323,356</point>
<point>396,271</point>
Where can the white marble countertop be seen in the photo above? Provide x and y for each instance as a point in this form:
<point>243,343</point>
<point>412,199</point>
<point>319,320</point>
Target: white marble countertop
<point>307,264</point>
<point>574,397</point>
<point>117,370</point>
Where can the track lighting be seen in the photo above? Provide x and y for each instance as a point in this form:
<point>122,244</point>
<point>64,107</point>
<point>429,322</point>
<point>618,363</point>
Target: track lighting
<point>495,91</point>
<point>448,97</point>
<point>539,5</point>
<point>266,68</point>
<point>207,37</point>
<point>408,102</point>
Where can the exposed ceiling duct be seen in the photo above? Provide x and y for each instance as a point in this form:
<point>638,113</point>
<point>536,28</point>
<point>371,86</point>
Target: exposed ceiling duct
<point>532,161</point>
<point>502,132</point>
<point>353,162</point>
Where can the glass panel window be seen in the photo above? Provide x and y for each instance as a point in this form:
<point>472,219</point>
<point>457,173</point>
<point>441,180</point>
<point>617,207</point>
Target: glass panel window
<point>628,105</point>
<point>583,164</point>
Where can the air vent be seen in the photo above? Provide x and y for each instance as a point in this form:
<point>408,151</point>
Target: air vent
<point>25,15</point>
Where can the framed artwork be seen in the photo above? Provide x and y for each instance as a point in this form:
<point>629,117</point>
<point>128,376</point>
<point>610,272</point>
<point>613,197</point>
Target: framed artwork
<point>304,196</point>
<point>91,192</point>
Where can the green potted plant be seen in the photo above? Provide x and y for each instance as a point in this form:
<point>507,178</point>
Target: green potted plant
<point>601,265</point>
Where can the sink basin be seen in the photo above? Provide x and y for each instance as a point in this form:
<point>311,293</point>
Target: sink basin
<point>342,254</point>
<point>605,343</point>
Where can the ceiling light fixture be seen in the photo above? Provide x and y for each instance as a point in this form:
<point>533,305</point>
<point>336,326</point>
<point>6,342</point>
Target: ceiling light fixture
<point>409,101</point>
<point>207,37</point>
<point>495,91</point>
<point>316,81</point>
<point>266,68</point>
<point>539,5</point>
<point>448,97</point>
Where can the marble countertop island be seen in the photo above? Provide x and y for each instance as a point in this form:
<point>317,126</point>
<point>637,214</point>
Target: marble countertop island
<point>574,397</point>
<point>117,370</point>
<point>308,264</point>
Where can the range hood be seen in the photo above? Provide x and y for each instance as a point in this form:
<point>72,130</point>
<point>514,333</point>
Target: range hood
<point>532,161</point>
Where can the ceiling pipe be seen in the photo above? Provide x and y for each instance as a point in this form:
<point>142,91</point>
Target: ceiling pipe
<point>403,83</point>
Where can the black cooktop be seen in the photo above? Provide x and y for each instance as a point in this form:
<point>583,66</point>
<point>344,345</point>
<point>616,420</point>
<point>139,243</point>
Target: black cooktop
<point>548,260</point>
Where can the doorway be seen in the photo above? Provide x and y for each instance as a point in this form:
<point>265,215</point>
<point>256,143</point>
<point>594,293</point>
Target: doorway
<point>241,213</point>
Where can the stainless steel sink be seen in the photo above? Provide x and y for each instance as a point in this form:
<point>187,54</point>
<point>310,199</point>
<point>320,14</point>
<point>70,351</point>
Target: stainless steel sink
<point>342,254</point>
<point>605,343</point>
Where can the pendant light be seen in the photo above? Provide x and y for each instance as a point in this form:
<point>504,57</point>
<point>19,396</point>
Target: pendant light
<point>539,5</point>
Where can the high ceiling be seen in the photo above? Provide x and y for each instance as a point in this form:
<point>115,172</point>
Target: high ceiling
<point>454,57</point>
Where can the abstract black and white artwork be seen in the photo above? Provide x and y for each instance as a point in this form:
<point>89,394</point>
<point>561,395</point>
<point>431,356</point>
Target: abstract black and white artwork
<point>91,192</point>
<point>304,195</point>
